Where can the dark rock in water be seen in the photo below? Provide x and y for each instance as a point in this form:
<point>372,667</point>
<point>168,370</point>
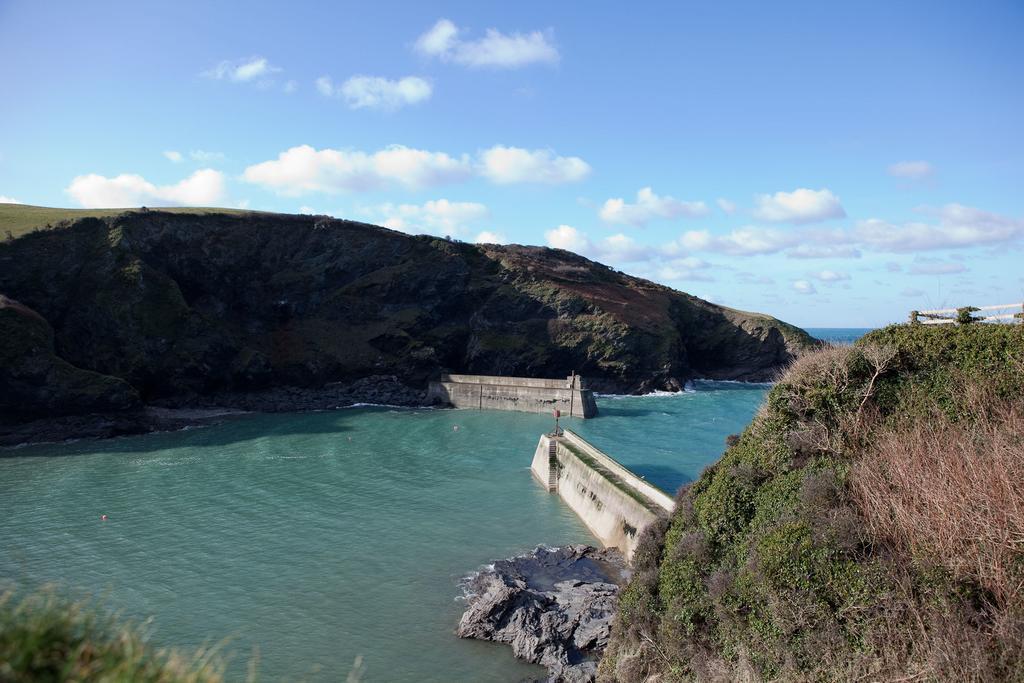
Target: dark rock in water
<point>554,607</point>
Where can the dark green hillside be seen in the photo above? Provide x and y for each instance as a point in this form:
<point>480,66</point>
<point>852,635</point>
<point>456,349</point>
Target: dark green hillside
<point>183,304</point>
<point>867,525</point>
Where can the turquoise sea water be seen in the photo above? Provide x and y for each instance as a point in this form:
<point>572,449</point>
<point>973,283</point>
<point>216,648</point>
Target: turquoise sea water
<point>838,335</point>
<point>315,538</point>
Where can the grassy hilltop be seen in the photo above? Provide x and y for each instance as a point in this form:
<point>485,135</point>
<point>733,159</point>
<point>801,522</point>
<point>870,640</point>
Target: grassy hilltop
<point>20,219</point>
<point>868,524</point>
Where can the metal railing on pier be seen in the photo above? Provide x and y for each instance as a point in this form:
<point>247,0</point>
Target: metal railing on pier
<point>1003,313</point>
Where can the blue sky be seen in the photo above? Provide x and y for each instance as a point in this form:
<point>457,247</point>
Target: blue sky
<point>832,165</point>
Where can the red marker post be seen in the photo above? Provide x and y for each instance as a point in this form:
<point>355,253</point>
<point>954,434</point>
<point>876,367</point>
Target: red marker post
<point>558,414</point>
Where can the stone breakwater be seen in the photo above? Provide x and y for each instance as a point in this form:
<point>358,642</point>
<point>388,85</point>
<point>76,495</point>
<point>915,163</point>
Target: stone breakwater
<point>526,394</point>
<point>554,606</point>
<point>613,502</point>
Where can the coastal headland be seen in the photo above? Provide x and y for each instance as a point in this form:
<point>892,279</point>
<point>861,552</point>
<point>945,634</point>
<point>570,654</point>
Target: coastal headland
<point>105,316</point>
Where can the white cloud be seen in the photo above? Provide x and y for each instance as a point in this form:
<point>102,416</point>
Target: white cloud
<point>799,206</point>
<point>291,86</point>
<point>807,251</point>
<point>568,238</point>
<point>505,165</point>
<point>649,206</point>
<point>937,268</point>
<point>697,240</point>
<point>307,210</point>
<point>439,40</point>
<point>958,226</point>
<point>495,49</point>
<point>670,274</point>
<point>242,70</point>
<point>727,206</point>
<point>372,92</point>
<point>203,188</point>
<point>487,237</point>
<point>804,287</point>
<point>305,169</point>
<point>912,170</point>
<point>830,276</point>
<point>691,262</point>
<point>745,241</point>
<point>661,262</point>
<point>685,269</point>
<point>203,156</point>
<point>325,86</point>
<point>753,279</point>
<point>380,93</point>
<point>4,199</point>
<point>911,292</point>
<point>436,217</point>
<point>621,248</point>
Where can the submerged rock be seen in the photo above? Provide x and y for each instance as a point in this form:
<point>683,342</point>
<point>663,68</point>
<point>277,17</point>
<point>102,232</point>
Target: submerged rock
<point>554,606</point>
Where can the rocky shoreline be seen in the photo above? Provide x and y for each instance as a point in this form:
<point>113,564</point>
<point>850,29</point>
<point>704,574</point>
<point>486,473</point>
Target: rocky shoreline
<point>554,606</point>
<point>190,411</point>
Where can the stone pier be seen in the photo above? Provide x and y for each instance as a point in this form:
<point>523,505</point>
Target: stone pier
<point>528,394</point>
<point>614,503</point>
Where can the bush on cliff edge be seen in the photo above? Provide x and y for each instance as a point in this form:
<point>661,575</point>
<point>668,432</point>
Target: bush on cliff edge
<point>47,638</point>
<point>868,523</point>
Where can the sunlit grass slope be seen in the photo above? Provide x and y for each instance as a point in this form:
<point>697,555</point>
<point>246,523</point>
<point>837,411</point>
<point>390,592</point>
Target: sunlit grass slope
<point>19,219</point>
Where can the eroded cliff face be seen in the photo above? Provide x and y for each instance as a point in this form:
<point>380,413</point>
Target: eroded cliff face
<point>178,305</point>
<point>34,379</point>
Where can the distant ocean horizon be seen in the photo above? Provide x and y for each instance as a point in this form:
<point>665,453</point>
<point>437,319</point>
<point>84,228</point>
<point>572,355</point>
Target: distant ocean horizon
<point>838,335</point>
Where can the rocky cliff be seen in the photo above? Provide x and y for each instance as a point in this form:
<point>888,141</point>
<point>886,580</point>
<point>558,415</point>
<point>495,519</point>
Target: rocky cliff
<point>108,313</point>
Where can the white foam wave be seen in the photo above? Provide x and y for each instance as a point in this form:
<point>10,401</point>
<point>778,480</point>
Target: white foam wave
<point>691,387</point>
<point>467,580</point>
<point>386,405</point>
<point>736,381</point>
<point>653,394</point>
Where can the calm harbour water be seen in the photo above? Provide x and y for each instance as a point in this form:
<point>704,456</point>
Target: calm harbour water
<point>315,538</point>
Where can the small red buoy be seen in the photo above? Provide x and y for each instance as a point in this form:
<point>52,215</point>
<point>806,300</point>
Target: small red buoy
<point>103,518</point>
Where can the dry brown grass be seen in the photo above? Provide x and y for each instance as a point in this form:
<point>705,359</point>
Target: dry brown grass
<point>953,493</point>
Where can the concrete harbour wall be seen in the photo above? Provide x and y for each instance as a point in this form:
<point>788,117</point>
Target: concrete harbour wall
<point>614,503</point>
<point>529,394</point>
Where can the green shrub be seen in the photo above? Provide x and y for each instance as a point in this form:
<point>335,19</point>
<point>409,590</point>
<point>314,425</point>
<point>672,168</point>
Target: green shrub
<point>770,568</point>
<point>46,638</point>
